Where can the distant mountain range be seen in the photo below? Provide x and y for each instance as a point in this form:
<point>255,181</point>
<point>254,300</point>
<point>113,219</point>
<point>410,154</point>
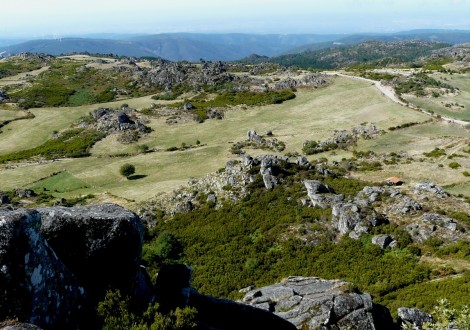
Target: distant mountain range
<point>224,47</point>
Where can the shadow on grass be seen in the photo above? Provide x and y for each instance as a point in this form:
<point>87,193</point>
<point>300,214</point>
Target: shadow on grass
<point>136,177</point>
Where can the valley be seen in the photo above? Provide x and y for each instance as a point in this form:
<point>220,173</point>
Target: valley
<point>256,173</point>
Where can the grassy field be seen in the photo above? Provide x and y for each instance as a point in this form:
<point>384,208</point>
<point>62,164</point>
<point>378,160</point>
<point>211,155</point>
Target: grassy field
<point>312,115</point>
<point>438,105</point>
<point>10,114</point>
<point>27,134</point>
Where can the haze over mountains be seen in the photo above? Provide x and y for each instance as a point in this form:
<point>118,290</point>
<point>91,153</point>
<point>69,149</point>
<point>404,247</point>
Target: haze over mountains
<point>211,47</point>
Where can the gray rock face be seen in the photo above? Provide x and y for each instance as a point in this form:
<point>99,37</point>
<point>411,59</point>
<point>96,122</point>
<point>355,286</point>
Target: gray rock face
<point>35,286</point>
<point>321,195</point>
<point>432,188</point>
<point>432,224</point>
<point>382,241</point>
<point>267,169</point>
<point>3,96</point>
<point>414,316</point>
<point>101,244</point>
<point>313,303</point>
<point>358,219</point>
<point>57,262</point>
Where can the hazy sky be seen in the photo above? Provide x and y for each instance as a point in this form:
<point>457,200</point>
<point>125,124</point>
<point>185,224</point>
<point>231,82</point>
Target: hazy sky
<point>39,18</point>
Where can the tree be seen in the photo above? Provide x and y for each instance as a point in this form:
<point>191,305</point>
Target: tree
<point>127,170</point>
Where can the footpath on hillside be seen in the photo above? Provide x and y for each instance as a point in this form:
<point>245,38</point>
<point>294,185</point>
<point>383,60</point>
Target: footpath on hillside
<point>389,92</point>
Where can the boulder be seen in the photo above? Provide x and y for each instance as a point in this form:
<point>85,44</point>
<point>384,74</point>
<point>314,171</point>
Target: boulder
<point>382,241</point>
<point>430,187</point>
<point>4,199</point>
<point>313,303</point>
<point>414,316</point>
<point>35,285</point>
<point>101,244</point>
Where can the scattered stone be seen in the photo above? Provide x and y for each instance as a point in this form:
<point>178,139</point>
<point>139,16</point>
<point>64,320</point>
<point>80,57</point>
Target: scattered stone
<point>414,316</point>
<point>25,193</point>
<point>432,188</point>
<point>382,241</point>
<point>212,198</point>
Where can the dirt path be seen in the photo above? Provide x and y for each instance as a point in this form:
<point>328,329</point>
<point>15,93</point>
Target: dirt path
<point>389,92</point>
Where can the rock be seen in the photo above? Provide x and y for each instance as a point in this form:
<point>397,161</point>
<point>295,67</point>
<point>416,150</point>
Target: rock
<point>4,199</point>
<point>26,193</point>
<point>3,96</point>
<point>269,133</point>
<point>432,188</point>
<point>14,325</point>
<point>35,286</point>
<point>432,224</point>
<point>247,289</point>
<point>211,199</point>
<point>315,187</point>
<point>254,137</point>
<point>188,106</point>
<point>269,166</point>
<point>56,263</point>
<point>382,241</point>
<point>101,244</point>
<point>414,316</point>
<point>123,118</point>
<point>173,290</point>
<point>184,207</point>
<point>312,303</point>
<point>302,162</point>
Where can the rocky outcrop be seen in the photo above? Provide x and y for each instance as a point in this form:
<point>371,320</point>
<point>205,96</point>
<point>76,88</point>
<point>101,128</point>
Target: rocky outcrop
<point>431,188</point>
<point>56,263</point>
<point>341,139</point>
<point>314,303</point>
<point>308,80</point>
<point>435,225</point>
<point>35,285</point>
<point>414,316</point>
<point>269,169</point>
<point>109,121</point>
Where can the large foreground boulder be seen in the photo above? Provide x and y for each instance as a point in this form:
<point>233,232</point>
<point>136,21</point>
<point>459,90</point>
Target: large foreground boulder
<point>56,263</point>
<point>35,286</point>
<point>101,244</point>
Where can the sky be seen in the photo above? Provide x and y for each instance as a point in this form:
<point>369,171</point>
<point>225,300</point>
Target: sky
<point>60,18</point>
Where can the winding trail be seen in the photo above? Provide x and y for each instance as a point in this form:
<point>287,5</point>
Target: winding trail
<point>389,92</point>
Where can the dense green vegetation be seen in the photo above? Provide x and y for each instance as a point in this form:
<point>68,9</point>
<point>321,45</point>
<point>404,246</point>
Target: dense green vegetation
<point>71,83</point>
<point>15,66</point>
<point>59,182</point>
<point>373,54</point>
<point>117,314</point>
<point>269,236</point>
<point>425,295</point>
<point>418,82</point>
<point>71,143</point>
<point>201,103</point>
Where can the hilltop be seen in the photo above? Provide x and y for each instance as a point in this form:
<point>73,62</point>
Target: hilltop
<point>252,173</point>
<point>217,47</point>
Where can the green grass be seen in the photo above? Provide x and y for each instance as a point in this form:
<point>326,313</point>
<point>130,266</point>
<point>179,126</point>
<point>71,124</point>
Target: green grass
<point>312,115</point>
<point>70,83</point>
<point>60,182</point>
<point>437,105</point>
<point>425,295</point>
<point>71,143</point>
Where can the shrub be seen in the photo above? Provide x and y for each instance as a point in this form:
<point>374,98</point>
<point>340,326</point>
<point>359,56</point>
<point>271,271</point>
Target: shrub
<point>454,165</point>
<point>127,170</point>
